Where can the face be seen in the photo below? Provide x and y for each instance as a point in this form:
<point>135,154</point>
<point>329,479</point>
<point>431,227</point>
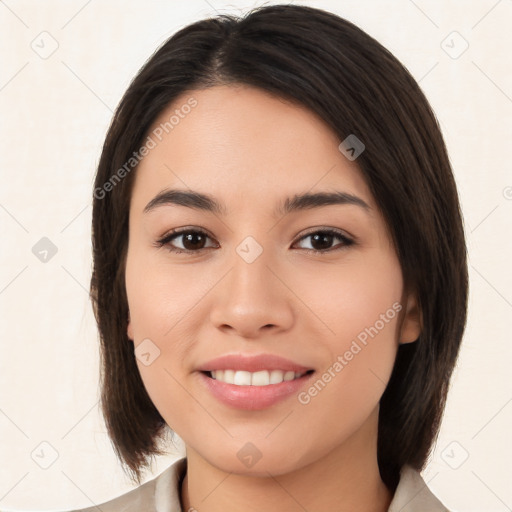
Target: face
<point>302,300</point>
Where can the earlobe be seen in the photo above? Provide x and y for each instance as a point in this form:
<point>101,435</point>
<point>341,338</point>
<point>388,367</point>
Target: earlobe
<point>411,322</point>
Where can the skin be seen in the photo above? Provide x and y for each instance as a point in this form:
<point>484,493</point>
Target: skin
<point>250,150</point>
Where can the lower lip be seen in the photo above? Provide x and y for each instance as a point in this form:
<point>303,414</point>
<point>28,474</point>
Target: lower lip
<point>253,397</point>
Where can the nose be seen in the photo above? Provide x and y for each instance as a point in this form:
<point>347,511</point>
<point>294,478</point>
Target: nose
<point>252,300</point>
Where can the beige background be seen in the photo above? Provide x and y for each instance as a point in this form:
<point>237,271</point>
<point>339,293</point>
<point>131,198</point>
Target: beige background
<point>55,109</point>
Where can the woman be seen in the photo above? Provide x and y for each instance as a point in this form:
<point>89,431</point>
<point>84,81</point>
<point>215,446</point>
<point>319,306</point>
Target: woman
<point>280,270</point>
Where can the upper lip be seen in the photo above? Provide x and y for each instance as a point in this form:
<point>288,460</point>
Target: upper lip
<point>252,363</point>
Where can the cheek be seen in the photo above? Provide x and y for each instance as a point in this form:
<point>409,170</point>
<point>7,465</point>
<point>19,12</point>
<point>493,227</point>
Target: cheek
<point>160,301</point>
<point>159,297</point>
<point>360,303</point>
<point>353,297</point>
<point>345,394</point>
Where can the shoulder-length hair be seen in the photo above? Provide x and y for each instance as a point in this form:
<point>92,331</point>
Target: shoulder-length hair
<point>356,86</point>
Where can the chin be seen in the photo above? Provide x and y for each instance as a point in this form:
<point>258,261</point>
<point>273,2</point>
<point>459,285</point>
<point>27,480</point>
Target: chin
<point>247,459</point>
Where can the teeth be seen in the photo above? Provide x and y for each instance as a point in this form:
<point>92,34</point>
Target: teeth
<point>261,378</point>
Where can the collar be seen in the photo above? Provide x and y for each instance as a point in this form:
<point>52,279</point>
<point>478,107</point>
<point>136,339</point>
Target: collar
<point>412,493</point>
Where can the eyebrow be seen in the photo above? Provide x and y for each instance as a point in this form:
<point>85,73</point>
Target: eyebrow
<point>298,202</point>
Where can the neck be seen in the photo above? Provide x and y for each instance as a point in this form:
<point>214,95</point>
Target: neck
<point>345,479</point>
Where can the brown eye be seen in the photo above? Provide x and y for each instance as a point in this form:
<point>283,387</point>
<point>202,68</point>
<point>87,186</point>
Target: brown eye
<point>322,240</point>
<point>189,240</point>
<point>193,241</point>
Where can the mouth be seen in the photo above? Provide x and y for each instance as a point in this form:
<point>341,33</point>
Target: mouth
<point>252,391</point>
<point>259,378</point>
<point>253,381</point>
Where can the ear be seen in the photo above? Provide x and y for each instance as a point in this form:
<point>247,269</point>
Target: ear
<point>411,321</point>
<point>129,330</point>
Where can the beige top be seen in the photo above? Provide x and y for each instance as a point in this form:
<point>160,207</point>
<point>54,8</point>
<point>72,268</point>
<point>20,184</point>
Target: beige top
<point>162,494</point>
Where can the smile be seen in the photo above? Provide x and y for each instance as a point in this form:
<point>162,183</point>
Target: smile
<point>253,390</point>
<point>259,378</point>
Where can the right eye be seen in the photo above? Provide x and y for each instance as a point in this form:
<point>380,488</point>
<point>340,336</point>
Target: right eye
<point>192,240</point>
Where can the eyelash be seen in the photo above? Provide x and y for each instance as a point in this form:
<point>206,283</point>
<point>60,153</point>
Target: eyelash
<point>167,238</point>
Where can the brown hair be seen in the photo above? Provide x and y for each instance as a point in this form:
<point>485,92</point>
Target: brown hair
<point>327,64</point>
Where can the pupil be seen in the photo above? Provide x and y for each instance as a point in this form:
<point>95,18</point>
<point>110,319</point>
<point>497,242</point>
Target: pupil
<point>325,240</point>
<point>191,240</point>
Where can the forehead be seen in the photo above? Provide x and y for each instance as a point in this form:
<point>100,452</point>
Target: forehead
<point>240,138</point>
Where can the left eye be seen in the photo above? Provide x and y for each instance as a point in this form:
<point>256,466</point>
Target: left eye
<point>324,238</point>
<point>193,240</point>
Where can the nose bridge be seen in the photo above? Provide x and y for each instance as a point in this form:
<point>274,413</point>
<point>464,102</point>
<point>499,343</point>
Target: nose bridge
<point>252,297</point>
<point>251,277</point>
